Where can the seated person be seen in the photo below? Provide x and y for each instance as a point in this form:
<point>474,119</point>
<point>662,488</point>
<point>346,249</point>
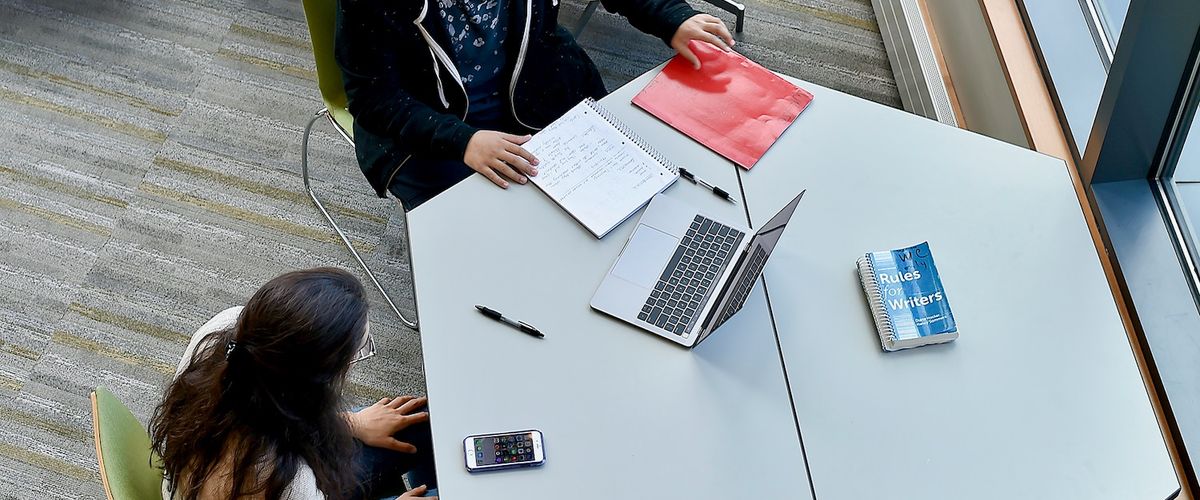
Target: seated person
<point>255,412</point>
<point>443,88</point>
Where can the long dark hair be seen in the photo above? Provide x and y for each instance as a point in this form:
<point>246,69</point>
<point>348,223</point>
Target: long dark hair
<point>274,402</point>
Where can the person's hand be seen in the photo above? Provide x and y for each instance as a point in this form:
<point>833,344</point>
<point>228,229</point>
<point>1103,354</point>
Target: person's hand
<point>418,492</point>
<point>375,424</point>
<point>702,27</point>
<point>494,153</point>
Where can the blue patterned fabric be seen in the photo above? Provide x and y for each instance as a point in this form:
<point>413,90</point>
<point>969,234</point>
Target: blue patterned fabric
<point>478,29</point>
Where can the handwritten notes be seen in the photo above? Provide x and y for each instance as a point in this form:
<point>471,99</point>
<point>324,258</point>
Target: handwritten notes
<point>595,171</point>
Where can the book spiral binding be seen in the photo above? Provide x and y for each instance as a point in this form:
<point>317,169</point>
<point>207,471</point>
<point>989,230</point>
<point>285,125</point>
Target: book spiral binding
<point>633,137</point>
<point>866,275</point>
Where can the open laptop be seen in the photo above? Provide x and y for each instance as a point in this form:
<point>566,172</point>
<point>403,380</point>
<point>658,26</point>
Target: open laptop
<point>682,274</point>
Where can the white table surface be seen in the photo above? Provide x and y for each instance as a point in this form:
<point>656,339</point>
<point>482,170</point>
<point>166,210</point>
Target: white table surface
<point>1040,396</point>
<point>625,414</point>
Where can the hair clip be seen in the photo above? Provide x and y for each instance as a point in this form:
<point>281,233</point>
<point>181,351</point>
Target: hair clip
<point>229,347</point>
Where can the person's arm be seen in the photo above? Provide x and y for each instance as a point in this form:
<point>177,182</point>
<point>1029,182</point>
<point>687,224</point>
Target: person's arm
<point>675,22</point>
<point>660,18</point>
<point>372,71</point>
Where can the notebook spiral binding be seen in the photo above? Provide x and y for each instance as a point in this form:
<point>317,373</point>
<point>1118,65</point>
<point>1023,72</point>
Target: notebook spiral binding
<point>866,275</point>
<point>625,131</point>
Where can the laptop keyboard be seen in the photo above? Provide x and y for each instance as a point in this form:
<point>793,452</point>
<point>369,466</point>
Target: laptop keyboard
<point>701,256</point>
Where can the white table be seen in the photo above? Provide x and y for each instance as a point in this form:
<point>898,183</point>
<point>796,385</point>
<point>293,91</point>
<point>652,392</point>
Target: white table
<point>625,413</point>
<point>1040,397</point>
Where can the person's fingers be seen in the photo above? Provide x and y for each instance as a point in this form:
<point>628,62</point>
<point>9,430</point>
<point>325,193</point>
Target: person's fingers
<point>400,401</point>
<point>413,404</point>
<point>715,40</point>
<point>506,170</point>
<point>721,31</point>
<point>686,52</point>
<point>418,492</point>
<point>517,139</point>
<point>383,401</point>
<point>415,418</point>
<point>393,423</point>
<point>518,162</point>
<point>400,446</point>
<point>522,152</point>
<point>494,177</point>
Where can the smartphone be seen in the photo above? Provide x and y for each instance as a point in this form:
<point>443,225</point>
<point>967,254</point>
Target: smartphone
<point>504,450</point>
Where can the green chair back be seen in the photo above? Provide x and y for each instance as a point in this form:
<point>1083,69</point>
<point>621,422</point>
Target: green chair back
<point>127,464</point>
<point>322,16</point>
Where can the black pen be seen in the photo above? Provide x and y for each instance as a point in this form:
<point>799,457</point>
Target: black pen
<point>701,182</point>
<point>520,325</point>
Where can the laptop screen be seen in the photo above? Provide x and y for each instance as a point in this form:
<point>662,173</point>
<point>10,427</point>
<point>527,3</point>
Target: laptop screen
<point>749,267</point>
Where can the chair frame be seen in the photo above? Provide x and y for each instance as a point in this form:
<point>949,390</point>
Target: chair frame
<point>99,450</point>
<point>308,187</point>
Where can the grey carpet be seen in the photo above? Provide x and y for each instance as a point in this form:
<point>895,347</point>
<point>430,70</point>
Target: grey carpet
<point>149,179</point>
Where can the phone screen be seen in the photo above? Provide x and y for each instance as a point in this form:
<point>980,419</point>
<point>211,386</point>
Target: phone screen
<point>503,449</point>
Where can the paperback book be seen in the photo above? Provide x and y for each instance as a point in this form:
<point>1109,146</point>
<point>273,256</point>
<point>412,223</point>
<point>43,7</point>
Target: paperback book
<point>907,299</point>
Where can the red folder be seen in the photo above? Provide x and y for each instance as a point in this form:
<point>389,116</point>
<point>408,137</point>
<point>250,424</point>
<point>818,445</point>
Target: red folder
<point>731,104</point>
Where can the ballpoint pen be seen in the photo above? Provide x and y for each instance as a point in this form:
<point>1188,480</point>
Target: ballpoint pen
<point>520,325</point>
<point>701,182</point>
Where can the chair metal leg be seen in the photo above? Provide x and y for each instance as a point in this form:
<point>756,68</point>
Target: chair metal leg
<point>345,240</point>
<point>587,15</point>
<point>732,7</point>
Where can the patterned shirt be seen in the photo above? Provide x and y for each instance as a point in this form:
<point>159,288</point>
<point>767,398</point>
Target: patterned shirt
<point>478,29</point>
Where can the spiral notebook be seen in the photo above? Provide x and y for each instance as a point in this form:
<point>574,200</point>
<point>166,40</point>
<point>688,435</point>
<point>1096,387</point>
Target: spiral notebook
<point>596,169</point>
<point>907,300</point>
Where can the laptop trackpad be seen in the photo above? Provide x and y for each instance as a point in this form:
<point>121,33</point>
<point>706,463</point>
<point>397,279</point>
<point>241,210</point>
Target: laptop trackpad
<point>647,253</point>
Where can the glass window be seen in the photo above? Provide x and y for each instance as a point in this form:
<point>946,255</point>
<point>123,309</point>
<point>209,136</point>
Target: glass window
<point>1182,184</point>
<point>1077,71</point>
<point>1077,39</point>
<point>1187,170</point>
<point>1112,13</point>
